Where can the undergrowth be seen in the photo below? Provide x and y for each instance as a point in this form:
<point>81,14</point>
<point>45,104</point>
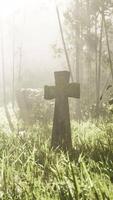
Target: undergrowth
<point>30,170</point>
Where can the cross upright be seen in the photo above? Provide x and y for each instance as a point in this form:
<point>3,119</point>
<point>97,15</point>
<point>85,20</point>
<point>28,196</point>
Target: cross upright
<point>61,133</point>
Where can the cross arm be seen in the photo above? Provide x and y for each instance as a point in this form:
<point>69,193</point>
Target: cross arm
<point>73,90</point>
<point>49,92</point>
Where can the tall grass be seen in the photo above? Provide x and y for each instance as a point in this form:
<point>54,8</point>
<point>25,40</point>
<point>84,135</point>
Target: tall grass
<point>30,170</point>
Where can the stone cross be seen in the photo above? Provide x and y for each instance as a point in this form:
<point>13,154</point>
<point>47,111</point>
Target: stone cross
<point>61,133</point>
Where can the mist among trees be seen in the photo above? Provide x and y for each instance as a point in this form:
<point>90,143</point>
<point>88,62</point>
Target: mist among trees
<point>56,100</point>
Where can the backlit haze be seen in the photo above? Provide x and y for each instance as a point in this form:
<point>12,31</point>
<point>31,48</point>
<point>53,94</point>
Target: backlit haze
<point>31,27</point>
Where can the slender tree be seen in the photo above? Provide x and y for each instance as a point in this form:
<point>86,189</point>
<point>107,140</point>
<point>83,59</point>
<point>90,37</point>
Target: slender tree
<point>20,67</point>
<point>77,45</point>
<point>99,68</point>
<point>64,43</point>
<point>13,65</point>
<point>88,53</point>
<point>108,46</point>
<point>96,57</point>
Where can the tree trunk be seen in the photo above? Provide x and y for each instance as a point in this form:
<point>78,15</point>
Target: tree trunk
<point>88,56</point>
<point>64,44</point>
<point>108,46</point>
<point>96,58</point>
<point>99,69</point>
<point>13,67</point>
<point>78,110</point>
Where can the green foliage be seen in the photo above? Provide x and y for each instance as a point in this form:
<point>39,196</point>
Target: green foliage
<point>29,169</point>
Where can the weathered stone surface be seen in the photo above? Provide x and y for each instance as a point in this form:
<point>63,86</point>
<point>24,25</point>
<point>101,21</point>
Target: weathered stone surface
<point>61,133</point>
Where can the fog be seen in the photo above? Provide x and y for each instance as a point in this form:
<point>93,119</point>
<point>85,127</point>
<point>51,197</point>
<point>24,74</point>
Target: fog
<point>28,30</point>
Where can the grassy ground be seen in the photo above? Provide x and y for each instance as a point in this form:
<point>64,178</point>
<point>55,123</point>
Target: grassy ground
<point>29,170</point>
